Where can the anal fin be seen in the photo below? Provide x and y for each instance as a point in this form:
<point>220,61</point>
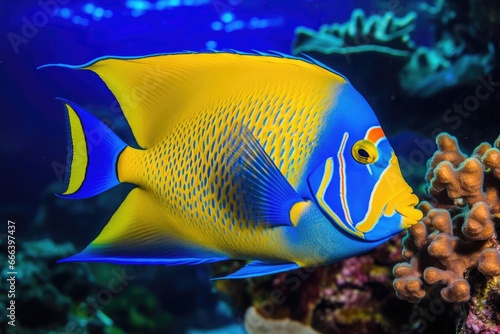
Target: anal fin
<point>139,233</point>
<point>259,268</point>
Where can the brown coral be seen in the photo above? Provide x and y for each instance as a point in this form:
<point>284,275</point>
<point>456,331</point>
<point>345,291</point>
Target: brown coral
<point>457,235</point>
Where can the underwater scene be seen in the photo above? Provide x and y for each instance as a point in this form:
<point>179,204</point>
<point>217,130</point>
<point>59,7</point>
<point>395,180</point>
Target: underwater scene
<point>250,166</point>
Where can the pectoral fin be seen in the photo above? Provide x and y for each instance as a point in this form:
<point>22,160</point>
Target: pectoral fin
<point>262,192</point>
<point>259,268</point>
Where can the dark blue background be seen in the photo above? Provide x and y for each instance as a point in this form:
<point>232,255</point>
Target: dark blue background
<point>32,129</point>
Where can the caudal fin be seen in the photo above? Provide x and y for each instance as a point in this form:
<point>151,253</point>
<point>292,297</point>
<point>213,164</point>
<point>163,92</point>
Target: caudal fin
<point>93,154</point>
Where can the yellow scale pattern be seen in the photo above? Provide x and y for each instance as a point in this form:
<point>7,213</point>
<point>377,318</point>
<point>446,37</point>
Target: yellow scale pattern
<point>185,170</point>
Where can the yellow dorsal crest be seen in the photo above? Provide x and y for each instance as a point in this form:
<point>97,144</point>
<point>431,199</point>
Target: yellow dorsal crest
<point>155,92</point>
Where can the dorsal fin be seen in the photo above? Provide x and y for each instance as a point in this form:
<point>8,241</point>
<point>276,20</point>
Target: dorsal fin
<point>157,91</point>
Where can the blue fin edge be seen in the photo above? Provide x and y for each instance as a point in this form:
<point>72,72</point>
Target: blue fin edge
<point>259,268</point>
<point>82,257</point>
<point>102,157</point>
<point>270,53</point>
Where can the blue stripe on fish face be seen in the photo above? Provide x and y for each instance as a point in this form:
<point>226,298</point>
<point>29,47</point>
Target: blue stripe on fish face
<point>361,180</point>
<point>323,201</point>
<point>346,187</point>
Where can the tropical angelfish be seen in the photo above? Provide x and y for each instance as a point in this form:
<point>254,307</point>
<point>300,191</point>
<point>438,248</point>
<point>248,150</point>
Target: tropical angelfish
<point>268,158</point>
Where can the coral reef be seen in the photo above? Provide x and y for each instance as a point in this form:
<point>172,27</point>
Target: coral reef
<point>47,294</point>
<point>462,51</point>
<point>382,34</point>
<point>364,48</point>
<point>256,323</point>
<point>465,46</point>
<point>77,297</point>
<point>430,71</point>
<point>455,245</point>
<point>353,296</point>
<point>144,315</point>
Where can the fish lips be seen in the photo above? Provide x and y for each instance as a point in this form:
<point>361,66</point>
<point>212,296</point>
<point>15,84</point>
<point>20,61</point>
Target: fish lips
<point>406,208</point>
<point>399,214</point>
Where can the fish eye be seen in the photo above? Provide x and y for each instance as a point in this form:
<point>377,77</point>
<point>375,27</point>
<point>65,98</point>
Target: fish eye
<point>364,151</point>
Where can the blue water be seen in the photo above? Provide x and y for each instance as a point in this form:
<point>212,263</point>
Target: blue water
<point>33,137</point>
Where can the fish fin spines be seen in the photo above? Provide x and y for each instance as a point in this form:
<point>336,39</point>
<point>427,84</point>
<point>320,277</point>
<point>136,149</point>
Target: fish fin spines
<point>271,53</point>
<point>140,233</point>
<point>93,154</point>
<point>263,193</point>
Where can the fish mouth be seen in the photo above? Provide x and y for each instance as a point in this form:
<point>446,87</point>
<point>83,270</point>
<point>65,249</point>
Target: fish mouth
<point>404,203</point>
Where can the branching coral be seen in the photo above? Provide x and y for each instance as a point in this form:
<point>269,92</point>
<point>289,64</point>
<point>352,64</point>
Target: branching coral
<point>364,49</point>
<point>430,71</point>
<point>464,47</point>
<point>354,296</point>
<point>456,239</point>
<point>384,34</point>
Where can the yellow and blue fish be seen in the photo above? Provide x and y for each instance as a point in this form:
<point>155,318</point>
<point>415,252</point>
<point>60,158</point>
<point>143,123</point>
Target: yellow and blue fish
<point>260,157</point>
